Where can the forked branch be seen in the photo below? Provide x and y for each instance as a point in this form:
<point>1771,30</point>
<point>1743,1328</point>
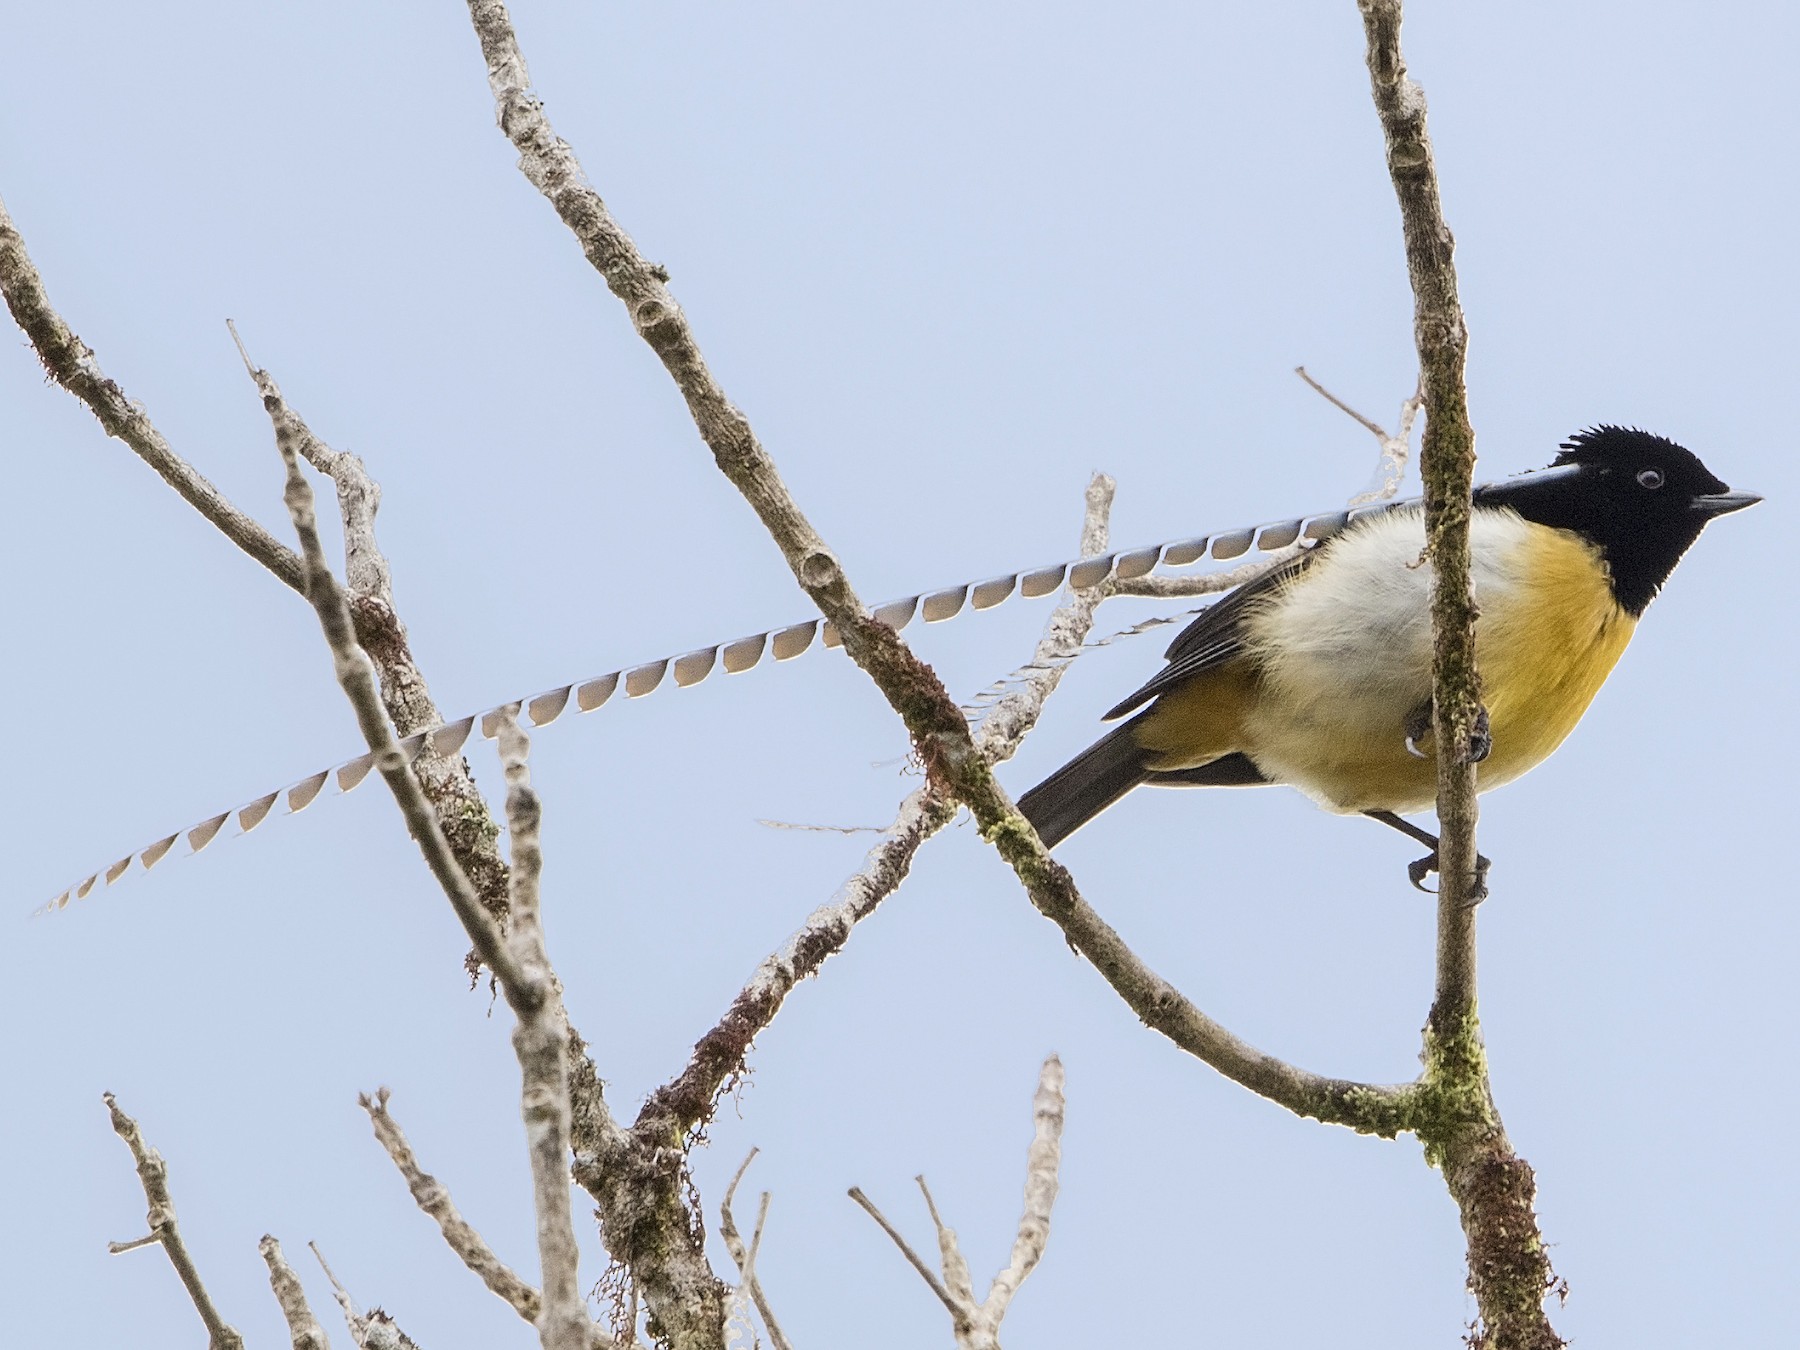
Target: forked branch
<point>976,1323</point>
<point>938,729</point>
<point>153,1172</point>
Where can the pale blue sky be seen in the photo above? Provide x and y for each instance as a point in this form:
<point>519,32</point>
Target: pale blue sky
<point>949,262</point>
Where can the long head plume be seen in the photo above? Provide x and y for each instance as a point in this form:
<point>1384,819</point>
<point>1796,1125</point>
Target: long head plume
<point>734,657</point>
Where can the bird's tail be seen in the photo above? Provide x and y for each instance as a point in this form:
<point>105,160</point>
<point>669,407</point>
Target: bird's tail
<point>1085,786</point>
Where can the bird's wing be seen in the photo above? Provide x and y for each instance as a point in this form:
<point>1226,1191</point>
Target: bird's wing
<point>1216,636</point>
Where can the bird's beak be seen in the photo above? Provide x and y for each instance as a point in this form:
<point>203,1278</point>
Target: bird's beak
<point>1724,503</point>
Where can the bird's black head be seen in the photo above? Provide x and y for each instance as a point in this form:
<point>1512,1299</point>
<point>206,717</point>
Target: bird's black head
<point>1641,499</point>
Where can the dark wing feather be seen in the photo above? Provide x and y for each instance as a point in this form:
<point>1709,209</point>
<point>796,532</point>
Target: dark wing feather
<point>1215,636</point>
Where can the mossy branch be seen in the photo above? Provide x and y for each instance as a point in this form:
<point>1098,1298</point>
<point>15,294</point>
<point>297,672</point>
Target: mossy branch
<point>1457,1121</point>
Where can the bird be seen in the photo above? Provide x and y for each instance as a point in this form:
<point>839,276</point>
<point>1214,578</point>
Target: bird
<point>1317,674</point>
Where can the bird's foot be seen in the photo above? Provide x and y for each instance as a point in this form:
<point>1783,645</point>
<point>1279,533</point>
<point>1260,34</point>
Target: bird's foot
<point>1418,728</point>
<point>1420,868</point>
<point>1481,738</point>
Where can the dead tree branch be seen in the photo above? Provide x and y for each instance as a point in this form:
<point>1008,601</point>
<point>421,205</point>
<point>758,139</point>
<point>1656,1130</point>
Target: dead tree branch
<point>636,1176</point>
<point>520,964</point>
<point>977,1324</point>
<point>1396,446</point>
<point>745,1257</point>
<point>373,1330</point>
<point>540,1039</point>
<point>433,1198</point>
<point>153,1172</point>
<point>71,363</point>
<point>303,1327</point>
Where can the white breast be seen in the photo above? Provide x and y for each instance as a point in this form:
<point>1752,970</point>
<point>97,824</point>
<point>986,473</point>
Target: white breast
<point>1346,648</point>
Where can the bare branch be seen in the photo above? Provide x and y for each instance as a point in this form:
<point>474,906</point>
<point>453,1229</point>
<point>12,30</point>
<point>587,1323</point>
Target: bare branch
<point>550,165</point>
<point>1395,448</point>
<point>354,1321</point>
<point>356,676</point>
<point>153,1172</point>
<point>72,364</point>
<point>433,1197</point>
<point>1043,1163</point>
<point>541,1042</point>
<point>977,1324</point>
<point>956,1268</point>
<point>959,1315</point>
<point>303,1327</point>
<point>745,1259</point>
<point>527,991</point>
<point>1209,583</point>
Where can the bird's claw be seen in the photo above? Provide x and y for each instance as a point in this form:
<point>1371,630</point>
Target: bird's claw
<point>1481,738</point>
<point>1420,868</point>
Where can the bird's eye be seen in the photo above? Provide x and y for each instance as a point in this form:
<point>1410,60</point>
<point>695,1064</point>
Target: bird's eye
<point>1650,478</point>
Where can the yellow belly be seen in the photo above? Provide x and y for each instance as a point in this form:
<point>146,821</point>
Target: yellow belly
<point>1544,647</point>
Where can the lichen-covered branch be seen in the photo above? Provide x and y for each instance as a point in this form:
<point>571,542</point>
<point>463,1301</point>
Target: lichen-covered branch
<point>1447,465</point>
<point>71,363</point>
<point>357,677</point>
<point>1509,1270</point>
<point>153,1173</point>
<point>303,1327</point>
<point>540,1039</point>
<point>433,1198</point>
<point>525,979</point>
<point>1043,1164</point>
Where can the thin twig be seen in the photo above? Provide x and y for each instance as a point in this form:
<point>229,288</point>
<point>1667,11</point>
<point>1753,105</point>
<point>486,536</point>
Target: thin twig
<point>153,1173</point>
<point>303,1327</point>
<point>1158,587</point>
<point>373,1330</point>
<point>354,1321</point>
<point>1343,407</point>
<point>71,363</point>
<point>977,1324</point>
<point>1395,447</point>
<point>745,1258</point>
<point>958,1315</point>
